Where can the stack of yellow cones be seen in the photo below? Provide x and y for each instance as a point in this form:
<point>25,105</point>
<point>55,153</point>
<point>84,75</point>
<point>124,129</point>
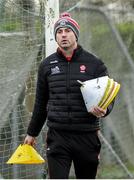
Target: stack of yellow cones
<point>99,92</point>
<point>25,154</point>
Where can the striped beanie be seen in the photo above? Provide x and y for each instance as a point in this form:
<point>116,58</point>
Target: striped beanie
<point>65,20</point>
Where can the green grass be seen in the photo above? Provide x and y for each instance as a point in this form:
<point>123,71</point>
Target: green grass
<point>127,33</point>
<point>10,26</point>
<point>114,171</point>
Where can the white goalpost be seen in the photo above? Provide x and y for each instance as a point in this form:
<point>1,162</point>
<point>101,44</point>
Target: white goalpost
<point>51,15</point>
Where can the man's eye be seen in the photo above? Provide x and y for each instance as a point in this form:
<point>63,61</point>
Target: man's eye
<point>58,31</point>
<point>68,30</point>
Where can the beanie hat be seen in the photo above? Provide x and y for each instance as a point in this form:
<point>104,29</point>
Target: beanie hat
<point>65,20</point>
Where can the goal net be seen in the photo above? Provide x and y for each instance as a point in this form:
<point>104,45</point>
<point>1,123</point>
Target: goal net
<point>22,47</point>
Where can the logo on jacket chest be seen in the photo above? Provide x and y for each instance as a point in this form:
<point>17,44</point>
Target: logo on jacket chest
<point>55,70</point>
<point>82,68</point>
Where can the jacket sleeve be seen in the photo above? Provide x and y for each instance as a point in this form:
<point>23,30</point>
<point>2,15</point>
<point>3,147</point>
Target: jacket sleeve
<point>102,71</point>
<point>40,107</point>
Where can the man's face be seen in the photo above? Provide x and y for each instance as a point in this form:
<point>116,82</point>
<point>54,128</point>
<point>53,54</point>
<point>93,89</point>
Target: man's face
<point>65,38</point>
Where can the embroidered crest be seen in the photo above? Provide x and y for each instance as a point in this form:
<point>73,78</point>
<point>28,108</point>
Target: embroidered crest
<point>55,70</point>
<point>82,68</point>
<point>63,22</point>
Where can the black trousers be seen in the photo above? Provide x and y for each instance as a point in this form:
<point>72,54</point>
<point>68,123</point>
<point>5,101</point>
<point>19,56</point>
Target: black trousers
<point>82,148</point>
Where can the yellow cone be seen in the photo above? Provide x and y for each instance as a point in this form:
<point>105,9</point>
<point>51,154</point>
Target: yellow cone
<point>112,96</point>
<point>107,91</point>
<point>25,154</point>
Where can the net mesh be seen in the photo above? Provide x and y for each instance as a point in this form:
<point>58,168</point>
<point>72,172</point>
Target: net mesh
<point>22,47</point>
<point>21,44</point>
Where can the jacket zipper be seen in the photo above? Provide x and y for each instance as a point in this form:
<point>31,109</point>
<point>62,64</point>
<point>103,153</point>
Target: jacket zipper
<point>68,91</point>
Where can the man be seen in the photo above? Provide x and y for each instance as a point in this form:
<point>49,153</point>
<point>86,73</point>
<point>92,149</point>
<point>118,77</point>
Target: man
<point>72,133</point>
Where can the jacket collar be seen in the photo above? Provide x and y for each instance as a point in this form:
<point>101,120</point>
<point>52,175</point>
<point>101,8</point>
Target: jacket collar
<point>76,52</point>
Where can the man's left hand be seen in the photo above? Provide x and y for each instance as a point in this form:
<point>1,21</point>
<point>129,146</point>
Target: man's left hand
<point>98,112</point>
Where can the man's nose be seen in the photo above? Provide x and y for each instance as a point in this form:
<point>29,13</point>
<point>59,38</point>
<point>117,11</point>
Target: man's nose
<point>63,33</point>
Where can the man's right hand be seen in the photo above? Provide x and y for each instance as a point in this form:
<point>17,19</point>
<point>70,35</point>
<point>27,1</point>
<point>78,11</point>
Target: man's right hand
<point>30,140</point>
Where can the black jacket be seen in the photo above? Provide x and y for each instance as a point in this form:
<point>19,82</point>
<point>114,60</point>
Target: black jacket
<point>58,96</point>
